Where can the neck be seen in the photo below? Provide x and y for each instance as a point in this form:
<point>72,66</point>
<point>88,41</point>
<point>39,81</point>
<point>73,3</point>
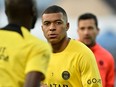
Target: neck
<point>59,47</point>
<point>21,23</point>
<point>91,45</point>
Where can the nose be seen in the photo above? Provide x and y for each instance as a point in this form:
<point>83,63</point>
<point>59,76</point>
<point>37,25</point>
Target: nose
<point>86,31</point>
<point>52,27</point>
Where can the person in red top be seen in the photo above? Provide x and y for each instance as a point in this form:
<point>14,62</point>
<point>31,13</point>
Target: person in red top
<point>87,33</point>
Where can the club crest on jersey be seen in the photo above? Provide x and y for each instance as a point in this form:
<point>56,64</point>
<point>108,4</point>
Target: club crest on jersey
<point>101,62</point>
<point>65,75</point>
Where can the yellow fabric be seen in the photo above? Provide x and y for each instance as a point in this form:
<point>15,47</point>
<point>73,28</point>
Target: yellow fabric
<point>20,55</point>
<point>74,67</point>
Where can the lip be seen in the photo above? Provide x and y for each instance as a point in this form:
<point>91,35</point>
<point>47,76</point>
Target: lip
<point>87,38</point>
<point>52,35</point>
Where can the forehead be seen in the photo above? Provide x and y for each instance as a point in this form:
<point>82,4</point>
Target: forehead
<point>86,22</point>
<point>52,16</point>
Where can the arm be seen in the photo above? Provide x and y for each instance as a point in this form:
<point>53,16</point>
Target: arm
<point>110,73</point>
<point>33,79</point>
<point>36,66</point>
<point>90,76</point>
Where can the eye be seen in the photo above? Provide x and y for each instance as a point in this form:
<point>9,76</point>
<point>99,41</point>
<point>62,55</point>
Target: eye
<point>58,22</point>
<point>90,28</point>
<point>46,23</point>
<point>82,28</point>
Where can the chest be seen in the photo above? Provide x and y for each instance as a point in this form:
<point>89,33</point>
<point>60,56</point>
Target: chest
<point>62,70</point>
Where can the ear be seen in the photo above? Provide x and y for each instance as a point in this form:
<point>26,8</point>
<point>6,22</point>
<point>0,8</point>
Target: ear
<point>77,31</point>
<point>42,27</point>
<point>6,12</point>
<point>34,11</point>
<point>67,26</point>
<point>98,30</point>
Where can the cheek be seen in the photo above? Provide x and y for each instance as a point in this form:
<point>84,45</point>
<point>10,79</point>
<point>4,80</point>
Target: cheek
<point>93,35</point>
<point>80,33</point>
<point>44,31</point>
<point>60,30</point>
<point>63,32</point>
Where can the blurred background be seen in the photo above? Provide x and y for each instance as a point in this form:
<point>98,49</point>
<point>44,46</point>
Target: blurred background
<point>105,10</point>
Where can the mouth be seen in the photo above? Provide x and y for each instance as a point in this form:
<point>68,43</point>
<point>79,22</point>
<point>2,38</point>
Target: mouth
<point>52,36</point>
<point>87,38</point>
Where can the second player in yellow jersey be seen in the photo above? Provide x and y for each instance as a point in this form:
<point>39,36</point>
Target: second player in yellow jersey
<point>75,65</point>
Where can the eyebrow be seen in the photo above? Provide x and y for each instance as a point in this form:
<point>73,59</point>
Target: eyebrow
<point>52,21</point>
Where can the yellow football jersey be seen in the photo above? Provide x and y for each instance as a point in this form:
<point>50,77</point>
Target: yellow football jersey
<point>74,67</point>
<point>20,53</point>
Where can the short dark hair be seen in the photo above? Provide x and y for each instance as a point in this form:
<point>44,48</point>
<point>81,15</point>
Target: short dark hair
<point>86,16</point>
<point>14,8</point>
<point>55,9</point>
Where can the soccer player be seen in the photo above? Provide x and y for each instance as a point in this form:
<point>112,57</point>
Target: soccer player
<point>23,57</point>
<point>72,63</point>
<point>87,32</point>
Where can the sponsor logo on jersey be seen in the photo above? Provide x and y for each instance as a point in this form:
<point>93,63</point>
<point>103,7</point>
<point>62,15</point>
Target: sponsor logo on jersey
<point>3,54</point>
<point>58,85</point>
<point>93,81</point>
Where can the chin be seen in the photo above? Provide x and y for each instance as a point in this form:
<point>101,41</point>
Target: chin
<point>52,42</point>
<point>87,44</point>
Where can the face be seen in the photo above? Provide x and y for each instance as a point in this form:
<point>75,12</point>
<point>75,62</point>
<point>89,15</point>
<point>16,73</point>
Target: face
<point>54,26</point>
<point>87,31</point>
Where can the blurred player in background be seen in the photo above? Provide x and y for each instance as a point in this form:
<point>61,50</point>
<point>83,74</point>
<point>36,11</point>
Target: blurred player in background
<point>87,32</point>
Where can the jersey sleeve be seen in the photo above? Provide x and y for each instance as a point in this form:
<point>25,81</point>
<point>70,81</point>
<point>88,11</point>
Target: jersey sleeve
<point>90,76</point>
<point>38,58</point>
<point>110,75</point>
